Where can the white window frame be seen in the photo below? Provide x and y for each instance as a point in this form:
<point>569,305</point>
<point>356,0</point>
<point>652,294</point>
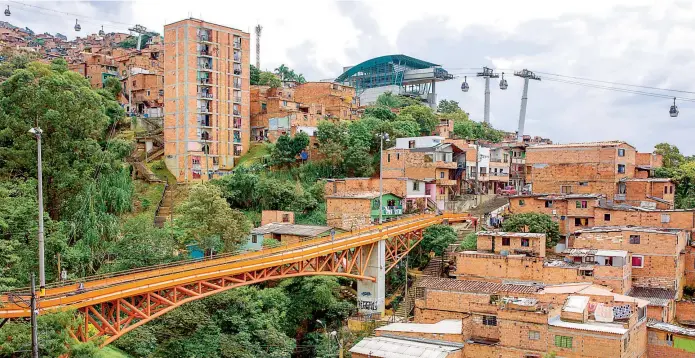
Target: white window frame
<point>534,335</point>
<point>642,265</point>
<point>665,218</point>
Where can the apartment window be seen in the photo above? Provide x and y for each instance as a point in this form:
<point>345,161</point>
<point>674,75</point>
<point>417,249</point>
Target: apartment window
<point>666,190</point>
<point>621,168</point>
<point>284,103</point>
<point>548,203</point>
<point>665,218</point>
<point>411,144</point>
<point>521,202</point>
<point>398,156</point>
<point>634,239</point>
<point>607,217</point>
<point>580,221</point>
<point>489,320</point>
<point>534,335</point>
<point>621,152</point>
<point>525,243</point>
<point>148,92</point>
<point>586,273</point>
<point>416,185</point>
<point>581,204</point>
<point>637,261</point>
<point>388,158</point>
<point>441,175</point>
<point>506,241</point>
<point>565,189</point>
<point>563,341</point>
<point>285,218</point>
<point>254,239</point>
<point>669,337</point>
<point>583,183</point>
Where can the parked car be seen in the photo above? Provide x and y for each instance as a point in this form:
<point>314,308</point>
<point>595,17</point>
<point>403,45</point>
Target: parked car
<point>508,191</point>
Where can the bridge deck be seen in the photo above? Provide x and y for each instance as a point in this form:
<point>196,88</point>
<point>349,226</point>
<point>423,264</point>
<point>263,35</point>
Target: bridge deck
<point>104,288</point>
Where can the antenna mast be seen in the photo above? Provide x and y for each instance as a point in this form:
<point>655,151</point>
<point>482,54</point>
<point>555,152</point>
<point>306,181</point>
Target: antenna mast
<point>259,28</point>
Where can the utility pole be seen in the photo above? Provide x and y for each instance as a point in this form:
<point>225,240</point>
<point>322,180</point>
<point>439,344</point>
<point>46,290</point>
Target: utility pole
<point>42,271</point>
<point>140,30</point>
<point>34,322</point>
<point>477,170</point>
<point>487,74</point>
<point>526,75</point>
<point>383,136</point>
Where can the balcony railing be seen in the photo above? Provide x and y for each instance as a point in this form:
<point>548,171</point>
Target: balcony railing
<point>203,37</point>
<point>205,81</point>
<point>237,153</point>
<point>204,109</point>
<point>392,210</point>
<point>237,99</point>
<point>237,58</point>
<point>237,44</point>
<point>237,85</point>
<point>204,53</point>
<point>205,95</point>
<point>237,72</point>
<point>205,66</point>
<point>236,113</point>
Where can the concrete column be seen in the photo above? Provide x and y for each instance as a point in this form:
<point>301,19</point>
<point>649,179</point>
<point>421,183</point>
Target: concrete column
<point>371,295</point>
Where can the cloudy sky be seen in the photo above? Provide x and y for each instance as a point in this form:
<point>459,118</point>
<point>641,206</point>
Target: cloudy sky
<point>639,42</point>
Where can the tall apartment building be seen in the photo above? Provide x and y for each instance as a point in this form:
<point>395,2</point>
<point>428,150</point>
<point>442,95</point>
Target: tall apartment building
<point>206,105</point>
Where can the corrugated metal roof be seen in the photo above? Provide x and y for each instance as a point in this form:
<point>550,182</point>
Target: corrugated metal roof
<point>290,229</point>
<point>595,252</point>
<point>656,296</point>
<point>512,234</point>
<point>447,284</point>
<point>672,328</point>
<point>579,145</point>
<point>588,326</point>
<point>657,230</point>
<point>447,326</point>
<point>403,347</point>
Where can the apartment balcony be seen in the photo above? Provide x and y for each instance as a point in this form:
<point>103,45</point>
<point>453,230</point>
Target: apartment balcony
<point>236,112</point>
<point>205,96</point>
<point>392,210</point>
<point>446,182</point>
<point>204,53</point>
<point>237,44</point>
<point>237,153</point>
<point>204,110</point>
<point>237,58</point>
<point>498,160</point>
<point>237,99</point>
<point>619,197</point>
<point>519,160</point>
<point>204,37</point>
<point>237,71</point>
<point>237,85</point>
<point>205,81</point>
<point>205,67</point>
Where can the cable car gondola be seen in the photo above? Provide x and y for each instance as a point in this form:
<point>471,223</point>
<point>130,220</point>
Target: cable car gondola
<point>674,109</point>
<point>503,83</point>
<point>101,32</point>
<point>77,26</point>
<point>7,11</point>
<point>464,85</point>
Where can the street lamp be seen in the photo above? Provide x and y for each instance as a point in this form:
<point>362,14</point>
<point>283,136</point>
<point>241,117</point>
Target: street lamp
<point>42,272</point>
<point>383,137</point>
<point>325,331</point>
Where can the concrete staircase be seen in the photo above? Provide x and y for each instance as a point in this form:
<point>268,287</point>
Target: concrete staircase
<point>490,205</point>
<point>164,209</point>
<point>407,306</point>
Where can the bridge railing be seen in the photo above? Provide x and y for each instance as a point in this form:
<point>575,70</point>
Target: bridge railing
<point>242,255</point>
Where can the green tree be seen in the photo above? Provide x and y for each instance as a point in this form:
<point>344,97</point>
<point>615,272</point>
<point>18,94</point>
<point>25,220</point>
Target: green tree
<point>332,138</point>
<point>424,116</point>
<point>405,128</point>
<point>437,238</point>
<point>387,99</point>
<point>255,75</point>
<point>536,223</point>
<point>142,244</point>
<point>684,177</point>
<point>206,217</point>
<point>239,188</point>
<point>269,79</point>
<point>287,148</point>
<point>448,106</point>
<point>380,112</point>
<point>471,130</point>
<point>470,242</point>
<point>671,154</point>
<point>113,86</point>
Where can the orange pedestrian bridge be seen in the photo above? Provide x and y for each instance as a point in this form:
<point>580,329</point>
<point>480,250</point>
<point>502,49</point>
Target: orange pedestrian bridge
<point>113,304</point>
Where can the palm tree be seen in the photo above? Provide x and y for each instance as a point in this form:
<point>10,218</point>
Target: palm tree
<point>300,78</point>
<point>282,71</point>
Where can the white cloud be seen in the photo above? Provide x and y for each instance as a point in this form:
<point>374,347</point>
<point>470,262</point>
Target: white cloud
<point>631,41</point>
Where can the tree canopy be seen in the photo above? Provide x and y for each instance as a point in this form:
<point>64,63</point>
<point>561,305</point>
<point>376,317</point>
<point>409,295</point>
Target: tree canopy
<point>471,130</point>
<point>536,223</point>
<point>448,106</point>
<point>288,74</point>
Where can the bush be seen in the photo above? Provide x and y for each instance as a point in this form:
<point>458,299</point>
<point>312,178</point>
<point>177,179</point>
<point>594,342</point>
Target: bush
<point>158,165</point>
<point>470,242</point>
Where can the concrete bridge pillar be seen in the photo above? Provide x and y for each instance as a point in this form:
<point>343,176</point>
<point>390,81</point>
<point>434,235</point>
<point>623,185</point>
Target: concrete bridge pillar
<point>371,295</point>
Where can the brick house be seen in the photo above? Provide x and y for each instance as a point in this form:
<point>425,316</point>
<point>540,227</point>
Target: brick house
<point>276,111</point>
<point>655,193</point>
<point>670,340</point>
<point>354,211</point>
<point>415,197</point>
<point>519,320</point>
<point>657,255</point>
<point>570,211</point>
<point>339,100</point>
<point>429,159</point>
<point>512,242</point>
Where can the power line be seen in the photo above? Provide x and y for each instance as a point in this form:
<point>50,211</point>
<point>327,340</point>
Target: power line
<point>616,83</point>
<point>79,16</point>
<point>623,90</point>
